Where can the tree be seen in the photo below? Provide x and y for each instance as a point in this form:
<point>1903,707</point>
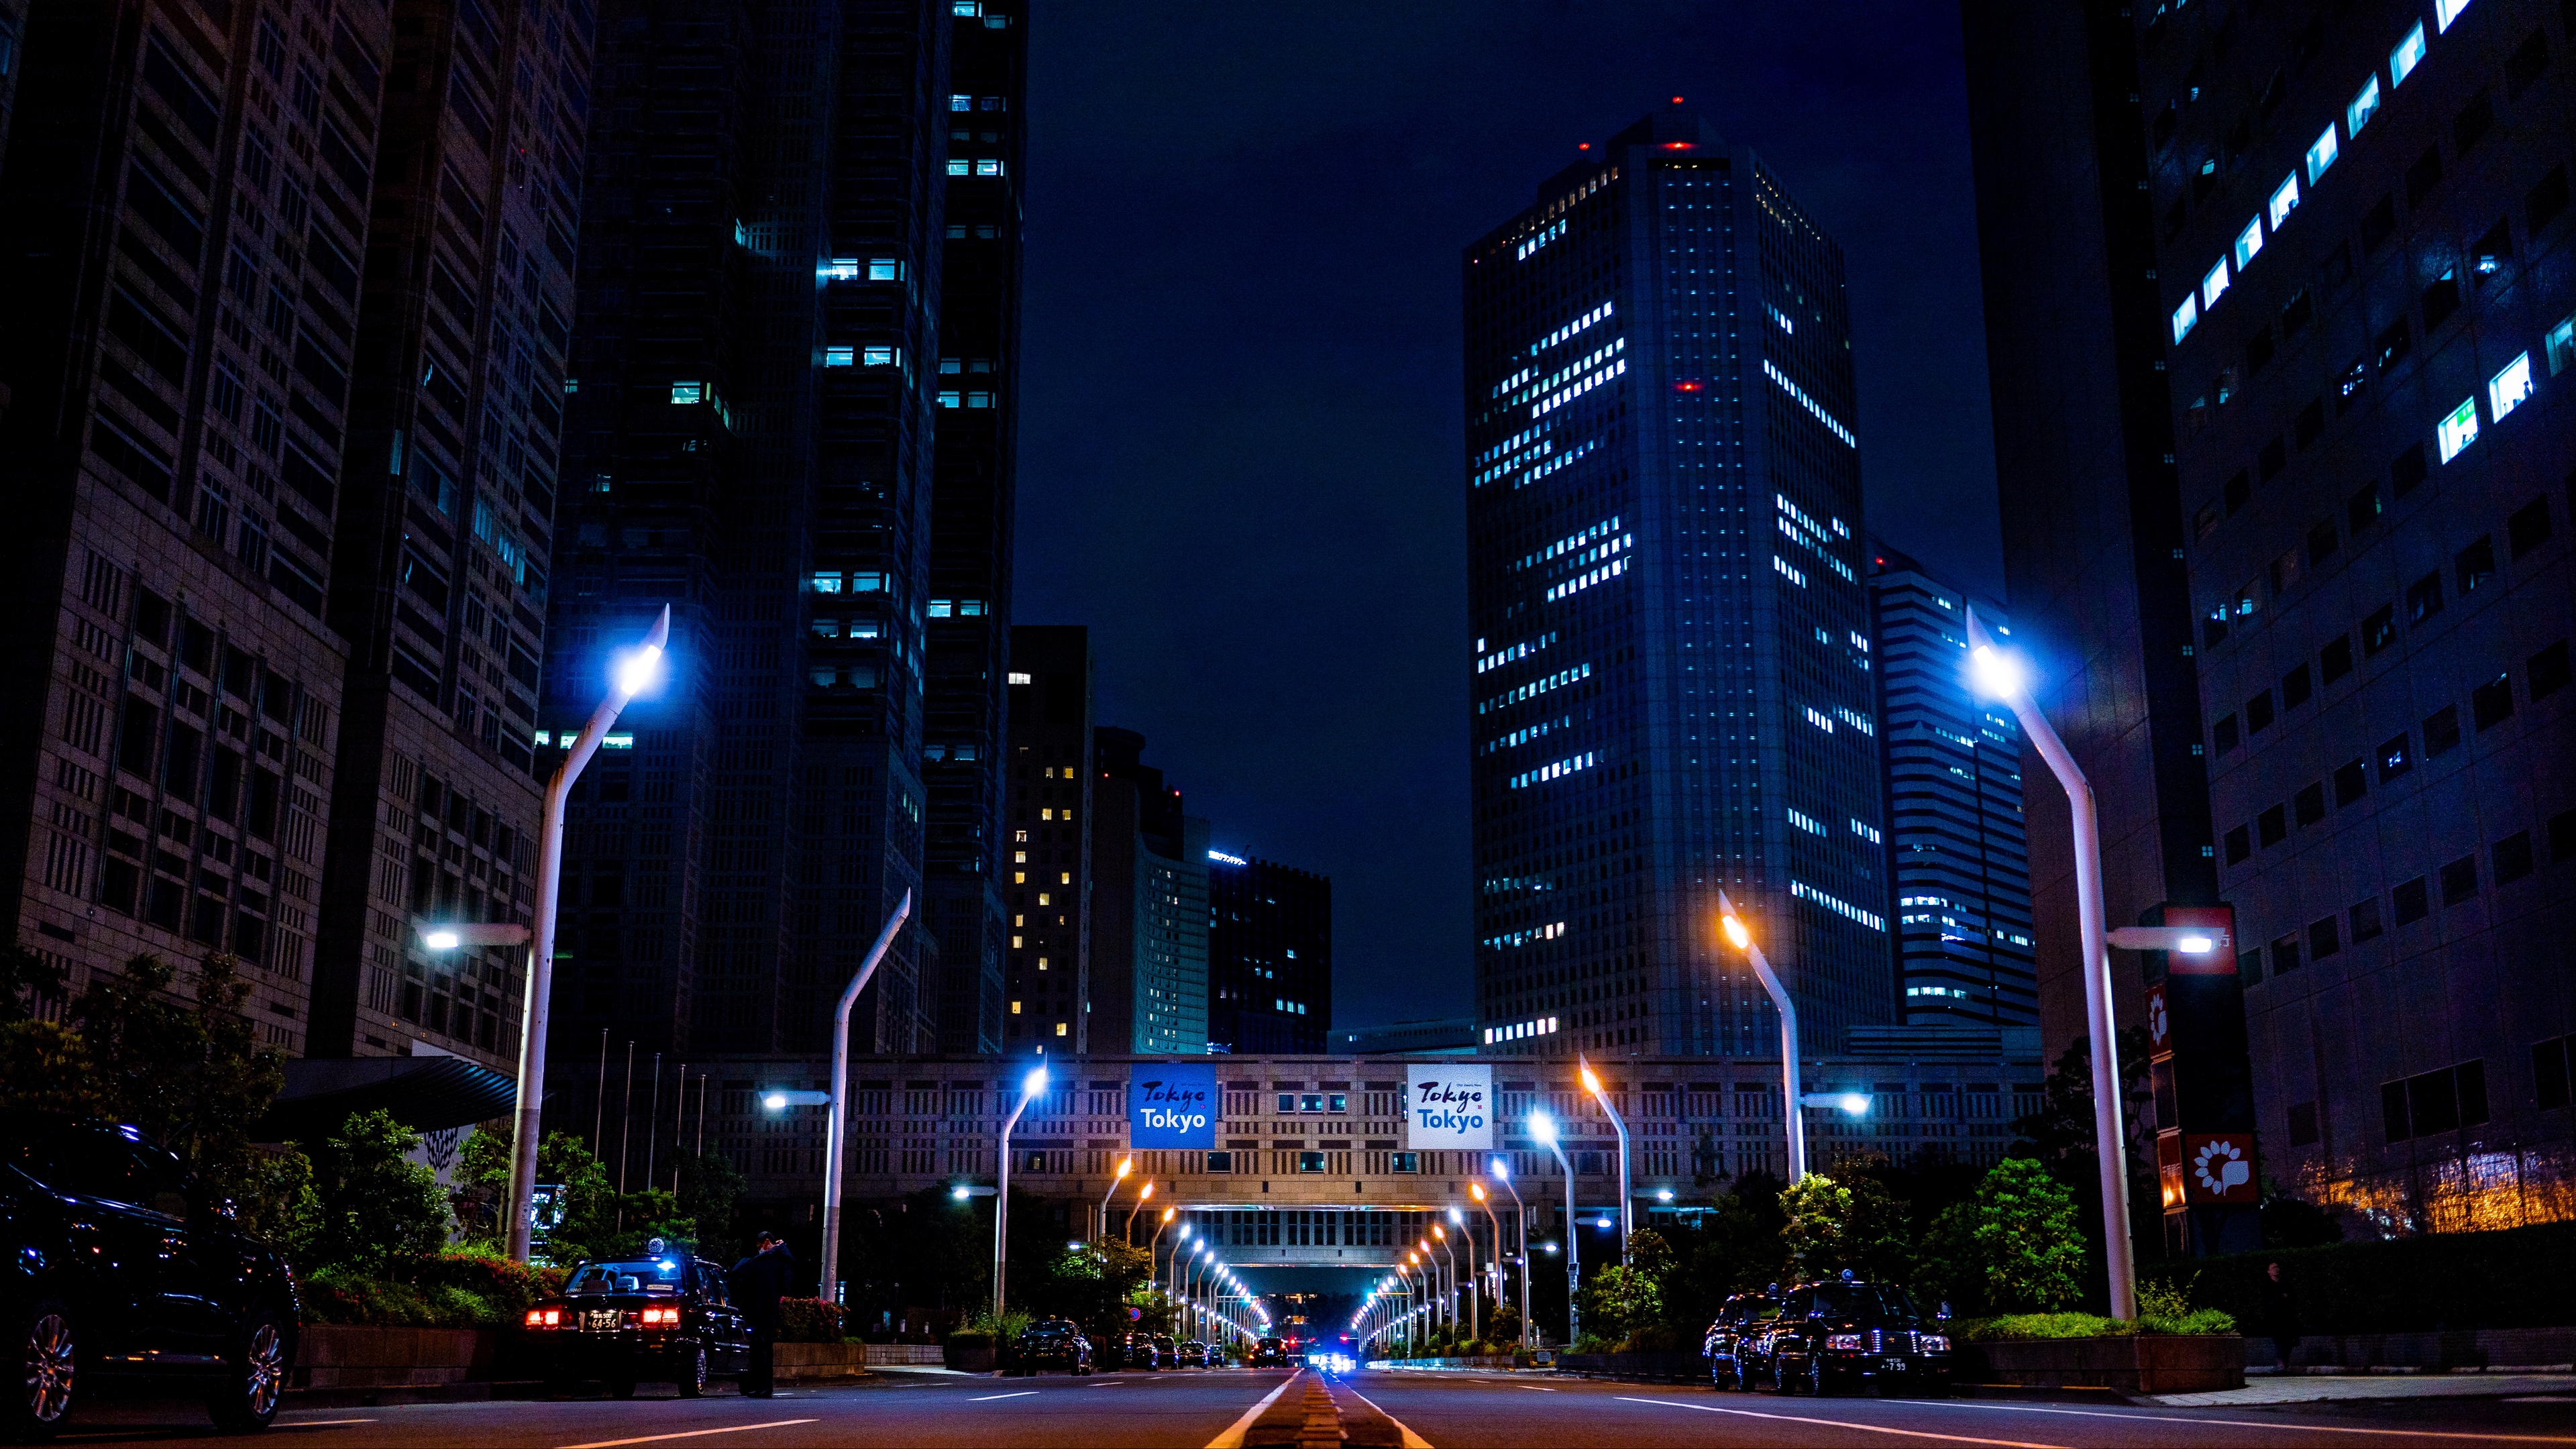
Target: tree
<point>46,1066</point>
<point>710,1185</point>
<point>1875,1240</point>
<point>26,981</point>
<point>2026,1235</point>
<point>375,1206</point>
<point>1817,1207</point>
<point>1947,1267</point>
<point>192,1076</point>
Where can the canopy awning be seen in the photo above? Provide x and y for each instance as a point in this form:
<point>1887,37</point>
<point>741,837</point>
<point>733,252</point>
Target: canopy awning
<point>424,1093</point>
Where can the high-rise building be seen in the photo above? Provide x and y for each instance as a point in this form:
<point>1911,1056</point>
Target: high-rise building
<point>1671,692</point>
<point>2341,238</point>
<point>1961,872</point>
<point>973,467</point>
<point>1270,956</point>
<point>1149,906</point>
<point>1047,976</point>
<point>2092,526</point>
<point>283,385</point>
<point>758,394</point>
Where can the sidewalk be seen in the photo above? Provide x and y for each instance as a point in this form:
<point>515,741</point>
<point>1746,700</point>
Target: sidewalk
<point>2320,1388</point>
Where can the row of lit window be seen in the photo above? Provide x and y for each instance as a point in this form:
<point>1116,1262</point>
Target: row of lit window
<point>1535,688</point>
<point>1602,378</point>
<point>1583,581</point>
<point>1832,424</point>
<point>1509,939</point>
<point>1556,770</point>
<point>1845,909</point>
<point>1506,655</point>
<point>1542,1026</point>
<point>1528,733</point>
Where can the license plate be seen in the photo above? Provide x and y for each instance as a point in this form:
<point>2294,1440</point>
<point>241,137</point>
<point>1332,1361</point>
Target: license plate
<point>1895,1365</point>
<point>603,1318</point>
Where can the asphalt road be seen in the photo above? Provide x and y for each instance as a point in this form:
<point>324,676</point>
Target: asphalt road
<point>1192,1408</point>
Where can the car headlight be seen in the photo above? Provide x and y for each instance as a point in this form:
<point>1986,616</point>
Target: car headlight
<point>1845,1340</point>
<point>1934,1343</point>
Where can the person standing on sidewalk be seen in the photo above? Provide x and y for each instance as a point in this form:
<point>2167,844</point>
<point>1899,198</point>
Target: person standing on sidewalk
<point>758,1282</point>
<point>2280,1314</point>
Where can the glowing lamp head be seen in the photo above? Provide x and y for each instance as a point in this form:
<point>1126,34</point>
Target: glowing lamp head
<point>1476,1190</point>
<point>1591,1083</point>
<point>1146,1192</point>
<point>1440,1232</point>
<point>777,1102</point>
<point>637,668</point>
<point>1663,1194</point>
<point>1543,1128</point>
<point>1035,1082</point>
<point>1501,1170</point>
<point>1125,1166</point>
<point>1736,936</point>
<point>1997,674</point>
<point>1855,1103</point>
<point>1167,1213</point>
<point>2196,945</point>
<point>443,940</point>
<point>959,1193</point>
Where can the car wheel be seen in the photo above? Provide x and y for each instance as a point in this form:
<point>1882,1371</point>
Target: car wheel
<point>51,1362</point>
<point>255,1377</point>
<point>621,1388</point>
<point>693,1373</point>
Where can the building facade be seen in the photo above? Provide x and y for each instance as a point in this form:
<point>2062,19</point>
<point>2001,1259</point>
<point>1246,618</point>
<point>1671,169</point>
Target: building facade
<point>1670,691</point>
<point>1959,866</point>
<point>1047,981</point>
<point>1149,906</point>
<point>287,426</point>
<point>1270,956</point>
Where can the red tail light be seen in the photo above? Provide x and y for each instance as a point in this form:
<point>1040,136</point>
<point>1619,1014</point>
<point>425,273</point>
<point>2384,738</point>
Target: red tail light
<point>661,1318</point>
<point>545,1318</point>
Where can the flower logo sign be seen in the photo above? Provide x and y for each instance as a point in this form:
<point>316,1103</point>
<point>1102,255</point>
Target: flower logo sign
<point>2222,1170</point>
<point>2159,1017</point>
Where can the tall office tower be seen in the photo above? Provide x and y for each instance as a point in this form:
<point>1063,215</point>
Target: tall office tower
<point>1047,979</point>
<point>1149,906</point>
<point>260,560</point>
<point>751,440</point>
<point>974,477</point>
<point>13,30</point>
<point>2092,531</point>
<point>2368,297</point>
<point>1961,870</point>
<point>1270,956</point>
<point>1671,690</point>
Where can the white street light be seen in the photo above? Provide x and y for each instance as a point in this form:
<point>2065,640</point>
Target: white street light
<point>1627,1206</point>
<point>2002,676</point>
<point>2188,940</point>
<point>1030,1086</point>
<point>836,1128</point>
<point>1543,1127</point>
<point>1790,1098</point>
<point>1126,1165</point>
<point>628,680</point>
<point>1500,1171</point>
<point>781,1101</point>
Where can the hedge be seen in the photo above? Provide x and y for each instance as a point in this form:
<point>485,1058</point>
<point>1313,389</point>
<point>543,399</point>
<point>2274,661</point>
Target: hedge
<point>811,1320</point>
<point>2508,1278</point>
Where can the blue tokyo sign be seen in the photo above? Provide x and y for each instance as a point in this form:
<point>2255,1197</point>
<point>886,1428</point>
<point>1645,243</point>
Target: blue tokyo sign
<point>1171,1106</point>
<point>1450,1106</point>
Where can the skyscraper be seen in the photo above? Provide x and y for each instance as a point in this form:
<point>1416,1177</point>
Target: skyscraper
<point>285,428</point>
<point>1270,956</point>
<point>1050,820</point>
<point>754,419</point>
<point>1149,906</point>
<point>1961,871</point>
<point>1671,692</point>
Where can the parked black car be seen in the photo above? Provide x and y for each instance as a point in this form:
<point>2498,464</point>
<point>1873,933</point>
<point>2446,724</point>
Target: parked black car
<point>1848,1333</point>
<point>1166,1352</point>
<point>1740,1324</point>
<point>1139,1352</point>
<point>1270,1353</point>
<point>122,1265</point>
<point>658,1319</point>
<point>1051,1343</point>
<point>1194,1354</point>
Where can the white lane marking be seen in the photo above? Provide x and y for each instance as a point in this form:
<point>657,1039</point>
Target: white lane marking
<point>1411,1439</point>
<point>691,1434</point>
<point>2257,1423</point>
<point>1535,1388</point>
<point>1232,1438</point>
<point>988,1398</point>
<point>1844,1424</point>
<point>320,1423</point>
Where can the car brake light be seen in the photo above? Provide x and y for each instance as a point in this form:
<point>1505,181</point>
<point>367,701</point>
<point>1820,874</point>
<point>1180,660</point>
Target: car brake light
<point>661,1317</point>
<point>545,1318</point>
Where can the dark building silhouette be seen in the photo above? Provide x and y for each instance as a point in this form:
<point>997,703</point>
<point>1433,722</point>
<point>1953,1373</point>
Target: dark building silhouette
<point>1671,690</point>
<point>1270,956</point>
<point>2287,294</point>
<point>284,371</point>
<point>1047,982</point>
<point>1149,906</point>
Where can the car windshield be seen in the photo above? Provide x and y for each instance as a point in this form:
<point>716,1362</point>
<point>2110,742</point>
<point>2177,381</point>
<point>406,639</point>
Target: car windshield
<point>1754,1310</point>
<point>1867,1302</point>
<point>644,1275</point>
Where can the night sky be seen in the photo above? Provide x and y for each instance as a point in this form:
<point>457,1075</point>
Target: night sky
<point>1241,401</point>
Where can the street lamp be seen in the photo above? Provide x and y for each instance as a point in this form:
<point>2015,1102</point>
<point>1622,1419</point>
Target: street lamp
<point>1125,1166</point>
<point>1030,1085</point>
<point>1449,1251</point>
<point>1501,1172</point>
<point>1627,1209</point>
<point>1468,1232</point>
<point>2003,677</point>
<point>1154,1244</point>
<point>1543,1127</point>
<point>1742,940</point>
<point>1143,1196</point>
<point>1476,1190</point>
<point>836,1128</point>
<point>632,674</point>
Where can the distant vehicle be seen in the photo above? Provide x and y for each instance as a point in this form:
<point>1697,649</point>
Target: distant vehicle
<point>1270,1353</point>
<point>638,1320</point>
<point>1739,1325</point>
<point>1139,1352</point>
<point>1052,1343</point>
<point>1845,1333</point>
<point>1166,1351</point>
<point>122,1264</point>
<point>1193,1354</point>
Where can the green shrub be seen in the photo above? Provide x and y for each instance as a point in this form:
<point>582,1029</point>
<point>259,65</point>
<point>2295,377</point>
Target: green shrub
<point>810,1320</point>
<point>2026,1236</point>
<point>508,1288</point>
<point>970,1338</point>
<point>2090,1325</point>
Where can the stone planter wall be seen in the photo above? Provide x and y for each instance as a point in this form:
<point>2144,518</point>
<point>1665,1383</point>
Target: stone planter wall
<point>971,1360</point>
<point>339,1356</point>
<point>804,1362</point>
<point>924,1354</point>
<point>2143,1364</point>
<point>1657,1367</point>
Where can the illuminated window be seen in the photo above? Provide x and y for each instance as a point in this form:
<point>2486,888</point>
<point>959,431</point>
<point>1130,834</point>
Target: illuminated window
<point>2562,345</point>
<point>2459,429</point>
<point>948,399</point>
<point>2321,153</point>
<point>966,9</point>
<point>988,168</point>
<point>2284,201</point>
<point>867,584</point>
<point>827,583</point>
<point>688,392</point>
<point>1017,677</point>
<point>1059,1028</point>
<point>2185,317</point>
<point>2446,11</point>
<point>878,356</point>
<point>2507,389</point>
<point>839,356</point>
<point>2248,242</point>
<point>2364,106</point>
<point>884,269</point>
<point>2408,55</point>
<point>841,269</point>
<point>941,608</point>
<point>961,103</point>
<point>2213,286</point>
<point>1015,1008</point>
<point>960,167</point>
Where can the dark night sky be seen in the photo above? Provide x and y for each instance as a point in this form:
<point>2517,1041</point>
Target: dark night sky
<point>1241,400</point>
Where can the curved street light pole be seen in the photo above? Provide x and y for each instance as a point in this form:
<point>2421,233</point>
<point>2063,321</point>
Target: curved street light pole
<point>1795,1119</point>
<point>1627,1205</point>
<point>1543,1128</point>
<point>1520,1218</point>
<point>1125,1166</point>
<point>836,1128</point>
<point>2000,676</point>
<point>1034,1083</point>
<point>1467,1232</point>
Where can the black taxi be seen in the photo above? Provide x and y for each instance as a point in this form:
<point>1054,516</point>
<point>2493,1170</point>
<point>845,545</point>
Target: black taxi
<point>1731,1344</point>
<point>1848,1333</point>
<point>661,1318</point>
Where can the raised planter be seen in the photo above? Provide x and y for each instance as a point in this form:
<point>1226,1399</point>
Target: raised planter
<point>1674,1367</point>
<point>981,1360</point>
<point>921,1354</point>
<point>332,1356</point>
<point>807,1362</point>
<point>2139,1364</point>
